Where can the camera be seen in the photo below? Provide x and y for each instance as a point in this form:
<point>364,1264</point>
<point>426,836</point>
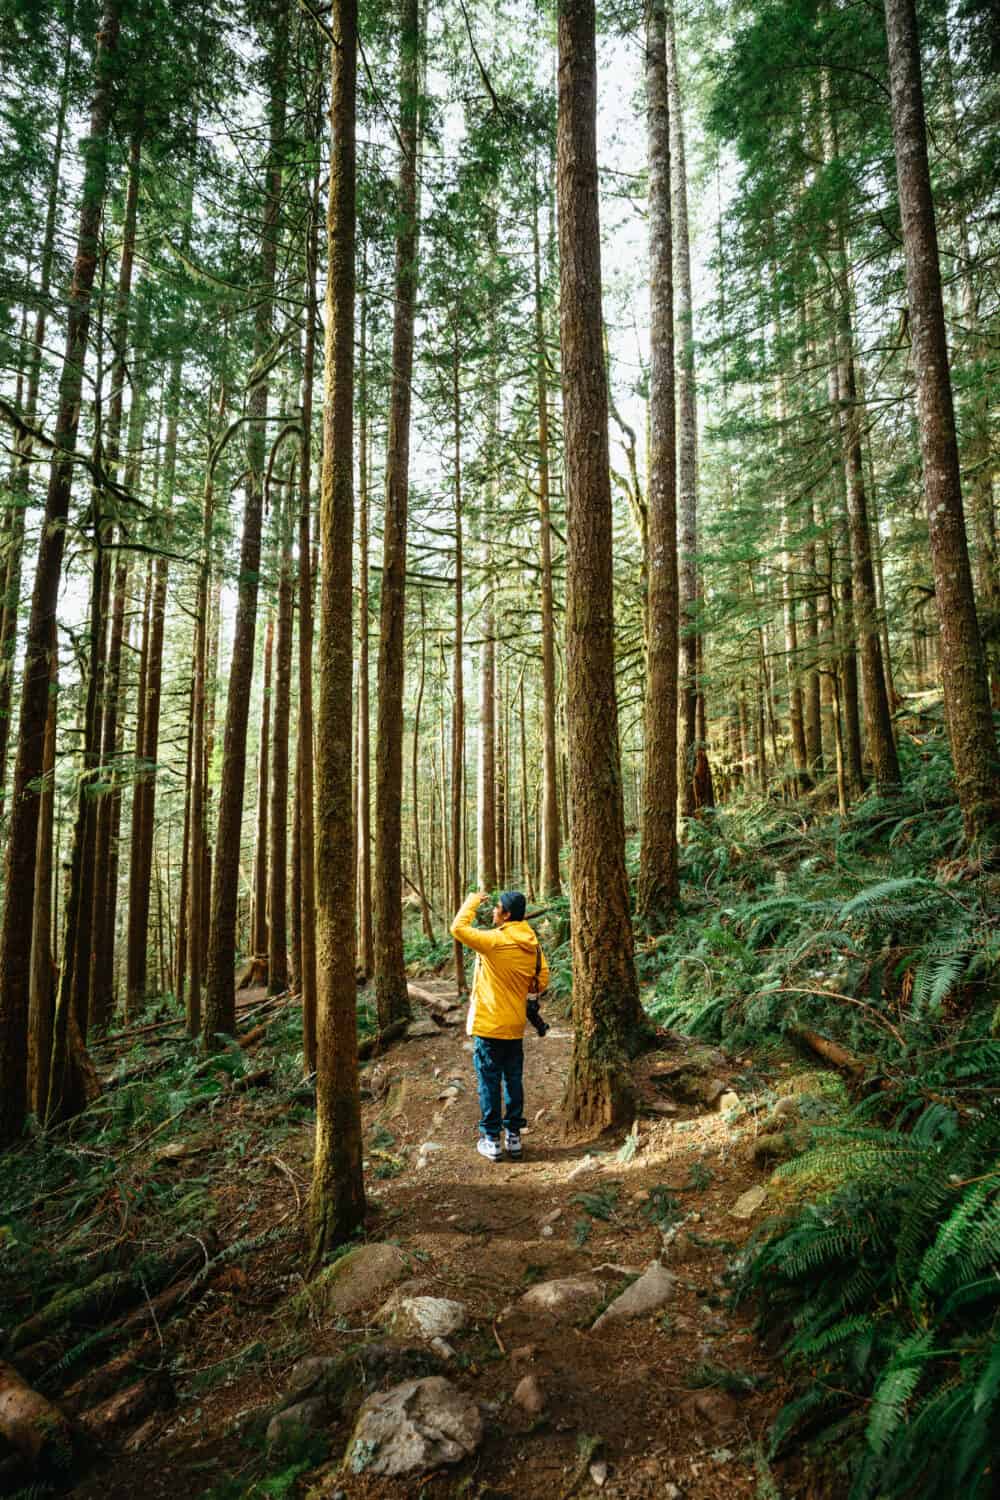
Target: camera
<point>534,1016</point>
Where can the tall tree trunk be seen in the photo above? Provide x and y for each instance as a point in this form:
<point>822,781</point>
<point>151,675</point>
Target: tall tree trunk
<point>658,879</point>
<point>687,458</point>
<point>880,744</point>
<point>390,970</point>
<point>337,1198</point>
<point>19,863</point>
<point>608,1020</point>
<point>277,961</point>
<point>43,985</point>
<point>847,661</point>
<point>550,879</point>
<point>963,668</point>
<point>144,801</point>
<point>500,777</point>
<point>306,794</point>
<point>425,912</point>
<point>458,669</point>
<point>24,446</point>
<point>366,940</point>
<point>486,788</point>
<point>220,991</point>
<point>258,921</point>
<point>527,873</point>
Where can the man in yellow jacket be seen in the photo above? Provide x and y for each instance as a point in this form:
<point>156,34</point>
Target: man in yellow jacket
<point>508,959</point>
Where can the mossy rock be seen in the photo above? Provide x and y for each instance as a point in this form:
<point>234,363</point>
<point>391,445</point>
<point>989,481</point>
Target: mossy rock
<point>782,1145</point>
<point>351,1282</point>
<point>815,1081</point>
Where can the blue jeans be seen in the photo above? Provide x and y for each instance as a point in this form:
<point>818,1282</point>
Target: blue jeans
<point>499,1061</point>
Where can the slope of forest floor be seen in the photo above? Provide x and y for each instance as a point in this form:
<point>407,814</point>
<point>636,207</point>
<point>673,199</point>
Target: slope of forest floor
<point>152,1254</point>
<point>680,1397</point>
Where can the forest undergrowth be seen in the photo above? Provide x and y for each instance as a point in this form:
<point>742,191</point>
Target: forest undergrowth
<point>873,939</point>
<point>879,1280</point>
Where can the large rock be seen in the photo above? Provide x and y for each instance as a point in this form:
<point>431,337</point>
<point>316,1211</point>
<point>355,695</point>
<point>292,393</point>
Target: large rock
<point>353,1281</point>
<point>424,1317</point>
<point>424,1027</point>
<point>414,1427</point>
<point>305,1416</point>
<point>566,1298</point>
<point>654,1287</point>
<point>749,1203</point>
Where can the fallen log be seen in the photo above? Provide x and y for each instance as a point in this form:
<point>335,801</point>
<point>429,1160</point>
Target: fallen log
<point>106,1294</point>
<point>260,1079</point>
<point>127,1407</point>
<point>831,1052</point>
<point>32,1425</point>
<point>98,1384</point>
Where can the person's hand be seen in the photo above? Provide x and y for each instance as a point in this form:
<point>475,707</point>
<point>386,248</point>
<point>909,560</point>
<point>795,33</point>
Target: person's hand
<point>482,896</point>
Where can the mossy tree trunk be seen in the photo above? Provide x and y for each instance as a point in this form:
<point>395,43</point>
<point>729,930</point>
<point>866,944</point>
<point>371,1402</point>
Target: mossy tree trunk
<point>608,1020</point>
<point>337,1197</point>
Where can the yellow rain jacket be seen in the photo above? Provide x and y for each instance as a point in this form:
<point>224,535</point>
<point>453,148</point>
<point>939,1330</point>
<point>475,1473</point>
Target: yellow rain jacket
<point>504,969</point>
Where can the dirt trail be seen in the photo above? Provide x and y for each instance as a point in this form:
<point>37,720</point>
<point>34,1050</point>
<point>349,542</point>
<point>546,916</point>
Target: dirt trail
<point>653,1391</point>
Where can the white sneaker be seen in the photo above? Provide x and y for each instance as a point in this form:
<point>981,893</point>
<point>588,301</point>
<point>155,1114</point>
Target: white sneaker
<point>489,1148</point>
<point>512,1142</point>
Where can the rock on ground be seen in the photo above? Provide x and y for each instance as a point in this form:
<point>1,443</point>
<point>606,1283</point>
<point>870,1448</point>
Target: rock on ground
<point>414,1427</point>
<point>352,1281</point>
<point>529,1396</point>
<point>424,1317</point>
<point>654,1287</point>
<point>749,1202</point>
<point>564,1298</point>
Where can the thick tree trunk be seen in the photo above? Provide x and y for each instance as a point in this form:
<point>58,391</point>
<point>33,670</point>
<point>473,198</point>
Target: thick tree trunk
<point>608,1020</point>
<point>337,1198</point>
<point>19,864</point>
<point>390,970</point>
<point>304,749</point>
<point>486,788</point>
<point>550,879</point>
<point>658,879</point>
<point>963,668</point>
<point>277,950</point>
<point>687,465</point>
<point>220,992</point>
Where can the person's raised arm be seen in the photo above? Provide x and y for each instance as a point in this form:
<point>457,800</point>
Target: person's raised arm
<point>463,930</point>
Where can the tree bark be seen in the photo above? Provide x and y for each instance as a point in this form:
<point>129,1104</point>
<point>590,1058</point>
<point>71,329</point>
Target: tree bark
<point>365,935</point>
<point>337,1197</point>
<point>220,992</point>
<point>258,922</point>
<point>608,1021</point>
<point>43,980</point>
<point>550,879</point>
<point>277,950</point>
<point>306,797</point>
<point>687,414</point>
<point>966,691</point>
<point>458,670</point>
<point>24,447</point>
<point>19,863</point>
<point>390,968</point>
<point>658,879</point>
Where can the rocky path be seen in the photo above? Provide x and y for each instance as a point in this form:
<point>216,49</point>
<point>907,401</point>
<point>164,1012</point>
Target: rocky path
<point>670,1399</point>
<point>534,1329</point>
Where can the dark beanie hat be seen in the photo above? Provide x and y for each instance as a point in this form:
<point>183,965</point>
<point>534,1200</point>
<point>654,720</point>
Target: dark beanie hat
<point>513,904</point>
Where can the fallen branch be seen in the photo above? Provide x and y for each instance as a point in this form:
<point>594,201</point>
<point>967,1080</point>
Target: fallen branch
<point>34,1427</point>
<point>831,1052</point>
<point>127,1407</point>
